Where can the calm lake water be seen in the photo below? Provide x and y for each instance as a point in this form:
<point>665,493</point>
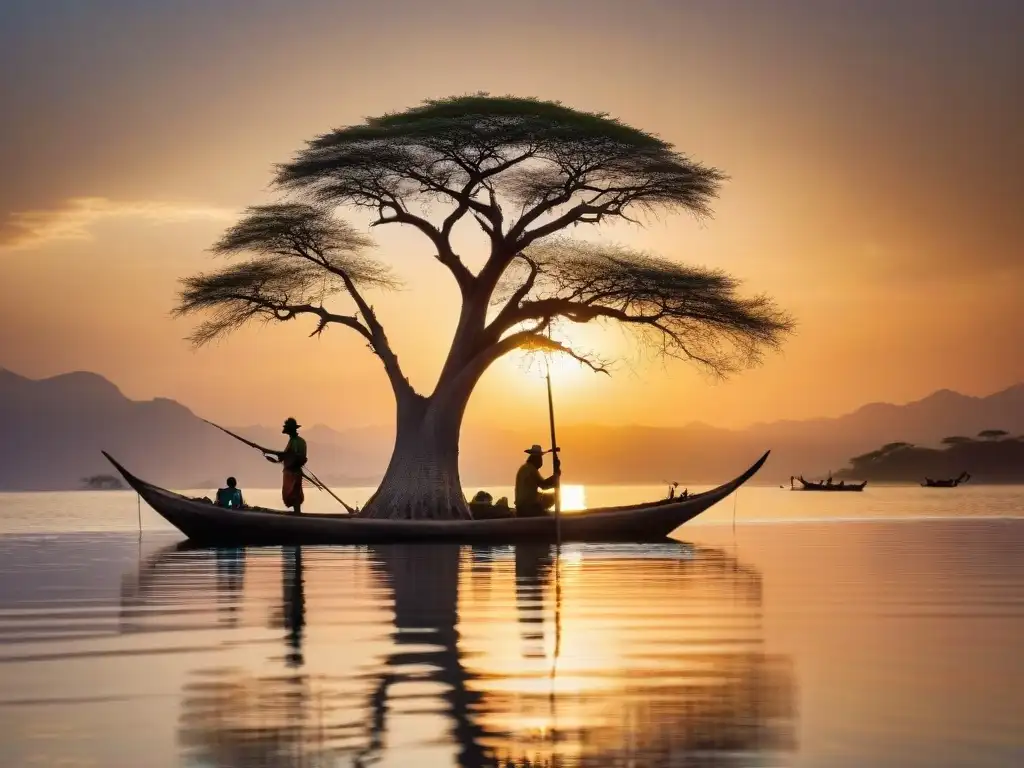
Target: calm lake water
<point>876,629</point>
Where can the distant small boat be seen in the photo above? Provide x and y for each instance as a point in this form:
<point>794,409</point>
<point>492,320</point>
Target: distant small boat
<point>828,485</point>
<point>951,483</point>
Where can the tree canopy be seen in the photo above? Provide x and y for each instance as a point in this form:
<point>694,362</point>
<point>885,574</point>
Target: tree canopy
<point>485,157</point>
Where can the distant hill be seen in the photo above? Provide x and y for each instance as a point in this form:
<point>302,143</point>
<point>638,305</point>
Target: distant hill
<point>987,459</point>
<point>53,430</point>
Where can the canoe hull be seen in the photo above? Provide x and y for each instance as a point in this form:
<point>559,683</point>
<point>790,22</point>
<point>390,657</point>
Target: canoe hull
<point>208,524</point>
<point>953,482</point>
<point>806,485</point>
<point>835,489</point>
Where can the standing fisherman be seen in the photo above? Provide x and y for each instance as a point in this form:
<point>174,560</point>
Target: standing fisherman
<point>292,459</point>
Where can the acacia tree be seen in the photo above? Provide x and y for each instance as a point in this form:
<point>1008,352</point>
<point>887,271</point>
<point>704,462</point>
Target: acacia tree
<point>522,171</point>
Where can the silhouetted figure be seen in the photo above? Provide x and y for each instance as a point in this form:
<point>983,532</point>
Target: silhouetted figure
<point>672,492</point>
<point>293,459</point>
<point>530,500</point>
<point>294,603</point>
<point>230,580</point>
<point>533,565</point>
<point>231,496</point>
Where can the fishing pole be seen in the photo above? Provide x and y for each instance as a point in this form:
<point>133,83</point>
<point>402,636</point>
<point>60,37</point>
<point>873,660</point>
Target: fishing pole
<point>313,479</point>
<point>556,462</point>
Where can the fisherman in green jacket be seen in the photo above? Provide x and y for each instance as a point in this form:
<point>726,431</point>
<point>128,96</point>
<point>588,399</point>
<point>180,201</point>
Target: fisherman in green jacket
<point>292,459</point>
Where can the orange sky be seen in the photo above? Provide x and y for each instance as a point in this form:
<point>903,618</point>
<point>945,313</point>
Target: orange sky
<point>875,154</point>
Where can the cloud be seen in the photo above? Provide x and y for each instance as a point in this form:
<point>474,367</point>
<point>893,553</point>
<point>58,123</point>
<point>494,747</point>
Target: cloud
<point>75,219</point>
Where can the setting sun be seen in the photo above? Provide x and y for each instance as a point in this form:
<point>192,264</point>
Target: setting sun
<point>574,498</point>
<point>564,369</point>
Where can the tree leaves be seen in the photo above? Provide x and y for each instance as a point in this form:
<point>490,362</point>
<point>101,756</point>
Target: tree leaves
<point>681,311</point>
<point>539,155</point>
<point>302,256</point>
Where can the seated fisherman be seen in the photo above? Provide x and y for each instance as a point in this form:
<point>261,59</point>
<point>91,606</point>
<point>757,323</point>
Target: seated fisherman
<point>230,497</point>
<point>530,500</point>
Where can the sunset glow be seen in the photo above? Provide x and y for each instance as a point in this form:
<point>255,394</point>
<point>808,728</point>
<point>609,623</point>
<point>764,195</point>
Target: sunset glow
<point>557,384</point>
<point>573,498</point>
<point>839,201</point>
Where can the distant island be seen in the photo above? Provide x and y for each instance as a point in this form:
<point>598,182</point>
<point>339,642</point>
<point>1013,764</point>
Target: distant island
<point>102,483</point>
<point>993,456</point>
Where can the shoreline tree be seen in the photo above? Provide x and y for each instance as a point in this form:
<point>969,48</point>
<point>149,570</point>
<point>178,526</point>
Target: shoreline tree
<point>522,172</point>
<point>993,434</point>
<point>102,483</point>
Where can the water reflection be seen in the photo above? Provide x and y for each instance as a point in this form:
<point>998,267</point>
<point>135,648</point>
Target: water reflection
<point>293,604</point>
<point>524,656</point>
<point>174,579</point>
<point>533,564</point>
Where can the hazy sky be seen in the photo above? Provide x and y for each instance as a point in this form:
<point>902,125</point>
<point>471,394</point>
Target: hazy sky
<point>875,149</point>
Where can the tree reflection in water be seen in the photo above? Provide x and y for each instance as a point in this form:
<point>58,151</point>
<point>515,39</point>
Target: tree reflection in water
<point>661,663</point>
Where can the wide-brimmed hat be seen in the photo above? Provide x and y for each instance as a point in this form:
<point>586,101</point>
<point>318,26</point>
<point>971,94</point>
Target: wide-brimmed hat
<point>535,450</point>
<point>290,422</point>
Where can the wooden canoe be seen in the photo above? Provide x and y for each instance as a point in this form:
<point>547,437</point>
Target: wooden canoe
<point>807,485</point>
<point>205,523</point>
<point>953,482</point>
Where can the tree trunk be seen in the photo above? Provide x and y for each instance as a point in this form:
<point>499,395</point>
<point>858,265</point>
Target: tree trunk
<point>422,478</point>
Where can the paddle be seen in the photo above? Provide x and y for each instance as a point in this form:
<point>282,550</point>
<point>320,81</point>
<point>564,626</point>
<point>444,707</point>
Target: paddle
<point>313,479</point>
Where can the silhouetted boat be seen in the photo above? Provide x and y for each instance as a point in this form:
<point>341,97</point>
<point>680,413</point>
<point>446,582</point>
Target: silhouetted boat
<point>951,483</point>
<point>842,485</point>
<point>204,522</point>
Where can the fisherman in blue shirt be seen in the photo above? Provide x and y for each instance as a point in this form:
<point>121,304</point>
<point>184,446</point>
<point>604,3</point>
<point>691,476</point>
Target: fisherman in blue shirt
<point>230,497</point>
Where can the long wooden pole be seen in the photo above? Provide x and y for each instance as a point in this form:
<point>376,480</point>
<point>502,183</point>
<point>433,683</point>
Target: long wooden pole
<point>556,462</point>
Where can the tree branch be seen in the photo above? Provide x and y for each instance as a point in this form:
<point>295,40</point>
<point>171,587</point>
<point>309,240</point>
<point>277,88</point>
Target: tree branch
<point>687,312</point>
<point>511,306</point>
<point>304,257</point>
<point>378,339</point>
<point>441,242</point>
<point>255,306</point>
<point>534,340</point>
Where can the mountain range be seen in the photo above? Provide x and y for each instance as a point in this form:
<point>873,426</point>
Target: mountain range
<point>53,431</point>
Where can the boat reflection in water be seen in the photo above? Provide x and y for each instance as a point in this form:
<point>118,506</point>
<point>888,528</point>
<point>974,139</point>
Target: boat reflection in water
<point>517,656</point>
